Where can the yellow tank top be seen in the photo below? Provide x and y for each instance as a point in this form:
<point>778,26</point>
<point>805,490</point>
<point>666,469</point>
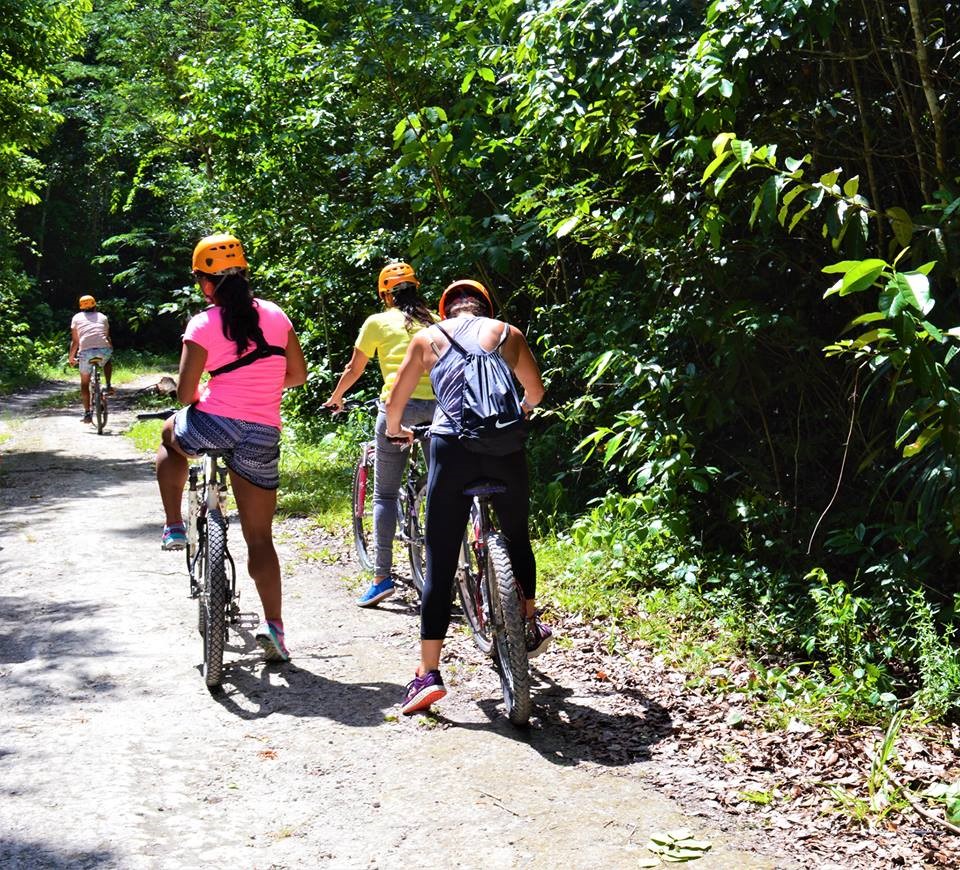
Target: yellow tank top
<point>385,336</point>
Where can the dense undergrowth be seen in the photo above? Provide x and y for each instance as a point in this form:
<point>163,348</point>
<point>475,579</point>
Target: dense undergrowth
<point>832,651</point>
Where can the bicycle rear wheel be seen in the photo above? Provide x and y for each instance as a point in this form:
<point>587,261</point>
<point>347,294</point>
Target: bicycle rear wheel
<point>363,507</point>
<point>101,410</point>
<point>416,522</point>
<point>214,598</point>
<point>511,644</point>
<point>98,401</point>
<point>472,588</point>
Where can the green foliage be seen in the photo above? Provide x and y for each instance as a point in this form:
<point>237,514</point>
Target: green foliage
<point>315,480</point>
<point>938,660</point>
<point>650,189</point>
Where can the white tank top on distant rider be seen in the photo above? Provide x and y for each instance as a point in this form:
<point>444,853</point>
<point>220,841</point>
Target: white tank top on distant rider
<point>92,329</point>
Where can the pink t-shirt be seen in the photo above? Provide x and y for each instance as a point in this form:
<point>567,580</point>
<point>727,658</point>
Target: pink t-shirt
<point>252,392</point>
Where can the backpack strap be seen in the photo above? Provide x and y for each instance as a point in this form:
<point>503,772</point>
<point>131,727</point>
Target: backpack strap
<point>452,341</point>
<point>503,337</point>
<point>262,351</point>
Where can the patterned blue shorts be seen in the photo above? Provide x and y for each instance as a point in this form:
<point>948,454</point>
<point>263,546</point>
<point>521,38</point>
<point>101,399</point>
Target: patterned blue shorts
<point>90,353</point>
<point>256,447</point>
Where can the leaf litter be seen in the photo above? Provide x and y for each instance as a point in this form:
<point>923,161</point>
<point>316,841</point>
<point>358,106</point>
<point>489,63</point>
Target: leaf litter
<point>807,790</point>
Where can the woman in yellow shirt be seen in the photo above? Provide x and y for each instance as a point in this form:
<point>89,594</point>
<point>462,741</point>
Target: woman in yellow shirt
<point>386,335</point>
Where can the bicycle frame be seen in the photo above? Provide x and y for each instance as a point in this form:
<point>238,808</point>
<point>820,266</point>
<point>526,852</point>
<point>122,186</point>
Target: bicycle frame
<point>410,499</point>
<point>207,490</point>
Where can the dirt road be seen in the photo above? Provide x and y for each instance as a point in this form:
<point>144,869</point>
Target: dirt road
<point>113,753</point>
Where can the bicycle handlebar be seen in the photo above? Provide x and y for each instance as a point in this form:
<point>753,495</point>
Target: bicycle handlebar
<point>371,406</point>
<point>157,415</point>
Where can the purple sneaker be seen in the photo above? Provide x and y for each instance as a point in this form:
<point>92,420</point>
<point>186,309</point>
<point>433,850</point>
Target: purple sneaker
<point>538,637</point>
<point>422,692</point>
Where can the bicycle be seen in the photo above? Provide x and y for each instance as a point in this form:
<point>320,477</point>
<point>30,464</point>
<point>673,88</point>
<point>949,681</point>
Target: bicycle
<point>493,602</point>
<point>210,567</point>
<point>411,502</point>
<point>98,395</point>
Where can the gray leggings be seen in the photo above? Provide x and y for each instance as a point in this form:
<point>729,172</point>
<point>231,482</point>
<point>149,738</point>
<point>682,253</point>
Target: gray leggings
<point>389,465</point>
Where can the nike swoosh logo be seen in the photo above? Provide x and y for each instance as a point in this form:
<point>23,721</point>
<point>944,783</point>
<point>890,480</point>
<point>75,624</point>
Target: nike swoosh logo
<point>500,425</point>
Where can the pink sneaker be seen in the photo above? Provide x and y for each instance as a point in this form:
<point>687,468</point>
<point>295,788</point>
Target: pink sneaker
<point>270,639</point>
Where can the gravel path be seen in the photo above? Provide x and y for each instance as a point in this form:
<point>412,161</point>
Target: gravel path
<point>113,754</point>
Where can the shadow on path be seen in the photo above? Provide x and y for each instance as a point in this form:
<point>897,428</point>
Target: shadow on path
<point>567,733</point>
<point>253,689</point>
<point>41,856</point>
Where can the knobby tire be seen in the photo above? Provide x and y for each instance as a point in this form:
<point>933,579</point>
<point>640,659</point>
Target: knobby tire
<point>99,403</point>
<point>214,598</point>
<point>511,644</point>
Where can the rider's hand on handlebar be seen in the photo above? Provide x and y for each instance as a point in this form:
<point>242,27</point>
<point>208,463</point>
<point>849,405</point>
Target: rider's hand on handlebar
<point>404,436</point>
<point>335,406</point>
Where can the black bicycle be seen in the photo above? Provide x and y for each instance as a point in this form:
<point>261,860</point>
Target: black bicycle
<point>493,602</point>
<point>98,395</point>
<point>411,502</point>
<point>212,573</point>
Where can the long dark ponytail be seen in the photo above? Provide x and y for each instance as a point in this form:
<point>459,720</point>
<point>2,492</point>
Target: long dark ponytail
<point>415,312</point>
<point>241,320</point>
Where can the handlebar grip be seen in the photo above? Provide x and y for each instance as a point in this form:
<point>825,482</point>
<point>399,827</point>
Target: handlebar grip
<point>157,415</point>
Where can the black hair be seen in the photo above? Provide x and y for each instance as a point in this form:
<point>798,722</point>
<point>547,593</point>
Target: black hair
<point>406,297</point>
<point>241,320</point>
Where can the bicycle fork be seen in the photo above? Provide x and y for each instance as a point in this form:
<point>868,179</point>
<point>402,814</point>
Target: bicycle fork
<point>485,607</point>
<point>207,490</point>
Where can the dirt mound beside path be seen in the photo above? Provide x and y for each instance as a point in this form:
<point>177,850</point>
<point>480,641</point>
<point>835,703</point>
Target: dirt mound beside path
<point>113,754</point>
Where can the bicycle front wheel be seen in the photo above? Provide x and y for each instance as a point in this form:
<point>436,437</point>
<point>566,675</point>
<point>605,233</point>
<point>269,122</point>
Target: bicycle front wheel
<point>472,588</point>
<point>214,598</point>
<point>416,520</point>
<point>363,507</point>
<point>511,644</point>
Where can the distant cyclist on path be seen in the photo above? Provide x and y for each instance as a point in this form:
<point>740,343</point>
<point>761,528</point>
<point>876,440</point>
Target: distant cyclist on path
<point>386,335</point>
<point>250,350</point>
<point>89,338</point>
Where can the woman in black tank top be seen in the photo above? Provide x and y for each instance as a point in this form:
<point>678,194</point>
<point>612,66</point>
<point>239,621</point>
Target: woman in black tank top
<point>466,313</point>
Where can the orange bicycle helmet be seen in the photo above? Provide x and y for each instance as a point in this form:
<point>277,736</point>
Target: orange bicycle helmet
<point>216,254</point>
<point>87,302</point>
<point>474,288</point>
<point>393,274</point>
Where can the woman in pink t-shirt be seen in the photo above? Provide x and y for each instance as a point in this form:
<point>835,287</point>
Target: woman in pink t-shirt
<point>250,350</point>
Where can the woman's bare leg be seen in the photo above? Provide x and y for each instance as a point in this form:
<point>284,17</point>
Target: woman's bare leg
<point>257,507</point>
<point>171,474</point>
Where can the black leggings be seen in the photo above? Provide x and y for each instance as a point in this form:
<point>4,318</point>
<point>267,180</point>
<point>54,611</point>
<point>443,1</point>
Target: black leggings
<point>452,469</point>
